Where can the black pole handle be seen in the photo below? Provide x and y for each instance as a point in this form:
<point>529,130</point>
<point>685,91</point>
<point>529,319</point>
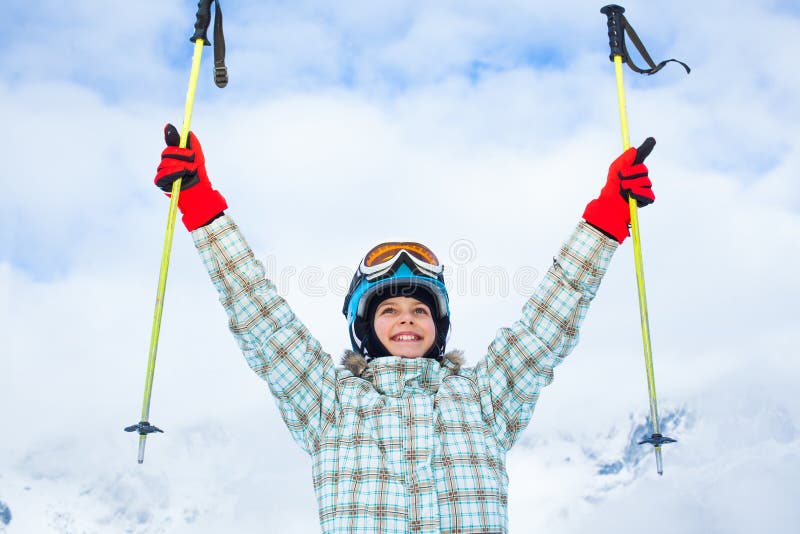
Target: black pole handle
<point>615,32</point>
<point>203,21</point>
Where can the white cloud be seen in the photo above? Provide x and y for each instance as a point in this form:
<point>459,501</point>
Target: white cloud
<point>335,116</point>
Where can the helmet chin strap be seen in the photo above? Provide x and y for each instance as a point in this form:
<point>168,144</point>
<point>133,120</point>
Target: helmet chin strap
<point>373,348</point>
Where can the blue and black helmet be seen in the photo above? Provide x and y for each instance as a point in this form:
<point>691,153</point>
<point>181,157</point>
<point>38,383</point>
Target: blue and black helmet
<point>396,269</point>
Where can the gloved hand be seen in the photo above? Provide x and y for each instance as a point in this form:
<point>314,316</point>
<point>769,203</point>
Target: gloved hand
<point>198,202</point>
<point>627,176</point>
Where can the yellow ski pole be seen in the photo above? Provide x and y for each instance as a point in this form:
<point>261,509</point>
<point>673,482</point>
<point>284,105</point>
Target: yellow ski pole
<point>615,33</point>
<point>199,38</point>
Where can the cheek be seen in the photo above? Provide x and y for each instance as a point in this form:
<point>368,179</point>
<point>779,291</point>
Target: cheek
<point>381,328</point>
<point>429,326</point>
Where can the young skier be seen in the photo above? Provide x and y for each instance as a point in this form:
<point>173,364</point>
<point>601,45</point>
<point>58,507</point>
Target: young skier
<point>402,437</point>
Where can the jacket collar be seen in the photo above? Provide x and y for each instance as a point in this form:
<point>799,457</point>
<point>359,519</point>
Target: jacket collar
<point>390,375</point>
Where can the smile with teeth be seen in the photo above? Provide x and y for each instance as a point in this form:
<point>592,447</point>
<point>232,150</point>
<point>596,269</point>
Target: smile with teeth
<point>406,337</point>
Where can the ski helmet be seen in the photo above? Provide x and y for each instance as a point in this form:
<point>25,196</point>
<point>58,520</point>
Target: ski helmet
<point>393,269</point>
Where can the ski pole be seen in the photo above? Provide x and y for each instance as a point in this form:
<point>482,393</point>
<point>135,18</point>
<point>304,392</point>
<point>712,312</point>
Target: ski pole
<point>616,27</point>
<point>199,38</point>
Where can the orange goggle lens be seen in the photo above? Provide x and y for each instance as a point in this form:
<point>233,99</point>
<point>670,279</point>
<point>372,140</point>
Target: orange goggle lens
<point>386,251</point>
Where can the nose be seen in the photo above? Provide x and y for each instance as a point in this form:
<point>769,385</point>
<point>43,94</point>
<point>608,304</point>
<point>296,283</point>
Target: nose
<point>407,317</point>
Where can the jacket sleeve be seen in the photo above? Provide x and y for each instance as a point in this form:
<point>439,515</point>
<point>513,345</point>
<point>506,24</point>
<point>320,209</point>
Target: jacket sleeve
<point>521,358</point>
<point>276,345</point>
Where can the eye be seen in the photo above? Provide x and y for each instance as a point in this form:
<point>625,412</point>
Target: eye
<point>421,311</point>
<point>385,310</point>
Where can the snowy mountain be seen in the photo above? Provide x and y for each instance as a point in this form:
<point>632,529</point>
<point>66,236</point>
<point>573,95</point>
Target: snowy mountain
<point>206,481</point>
<point>5,515</point>
<point>240,477</point>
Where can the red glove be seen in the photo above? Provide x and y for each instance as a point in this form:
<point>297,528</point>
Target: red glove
<point>198,202</point>
<point>627,176</point>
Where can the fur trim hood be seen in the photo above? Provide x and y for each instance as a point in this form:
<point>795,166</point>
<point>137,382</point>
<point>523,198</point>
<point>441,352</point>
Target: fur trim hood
<point>356,363</point>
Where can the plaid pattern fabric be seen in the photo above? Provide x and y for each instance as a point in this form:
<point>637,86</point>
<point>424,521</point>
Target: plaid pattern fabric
<point>411,445</point>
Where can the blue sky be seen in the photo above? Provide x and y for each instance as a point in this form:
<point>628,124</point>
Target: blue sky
<point>490,125</point>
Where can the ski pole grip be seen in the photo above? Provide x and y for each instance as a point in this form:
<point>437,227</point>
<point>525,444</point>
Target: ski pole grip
<point>202,22</point>
<point>615,35</point>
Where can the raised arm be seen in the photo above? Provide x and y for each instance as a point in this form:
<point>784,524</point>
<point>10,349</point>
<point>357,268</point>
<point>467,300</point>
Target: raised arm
<point>275,343</point>
<point>521,359</point>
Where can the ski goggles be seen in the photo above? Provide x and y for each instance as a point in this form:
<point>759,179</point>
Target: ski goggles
<point>384,259</point>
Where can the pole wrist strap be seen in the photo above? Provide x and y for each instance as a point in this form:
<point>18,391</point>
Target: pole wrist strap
<point>627,28</point>
<point>618,26</point>
<point>200,30</point>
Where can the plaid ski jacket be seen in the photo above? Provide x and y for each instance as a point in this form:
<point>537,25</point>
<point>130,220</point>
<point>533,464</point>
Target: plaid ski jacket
<point>406,445</point>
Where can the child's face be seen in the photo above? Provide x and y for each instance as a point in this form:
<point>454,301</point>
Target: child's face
<point>405,327</point>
